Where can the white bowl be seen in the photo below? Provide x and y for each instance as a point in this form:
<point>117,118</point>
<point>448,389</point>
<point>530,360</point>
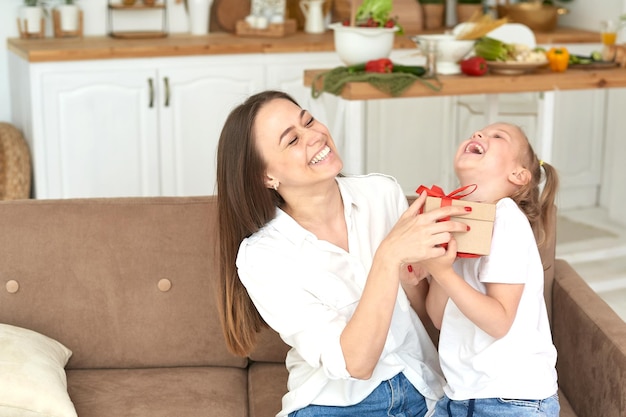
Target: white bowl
<point>357,45</point>
<point>449,51</point>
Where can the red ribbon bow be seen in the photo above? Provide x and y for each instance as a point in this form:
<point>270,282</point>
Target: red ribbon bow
<point>446,200</point>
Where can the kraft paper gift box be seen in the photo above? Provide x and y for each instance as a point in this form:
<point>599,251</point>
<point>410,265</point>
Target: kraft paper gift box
<point>477,241</point>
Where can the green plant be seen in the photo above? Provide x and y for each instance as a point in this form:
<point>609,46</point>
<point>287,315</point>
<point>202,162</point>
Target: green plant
<point>31,3</point>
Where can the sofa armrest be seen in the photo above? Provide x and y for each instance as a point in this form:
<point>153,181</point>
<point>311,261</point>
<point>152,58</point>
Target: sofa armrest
<point>591,342</point>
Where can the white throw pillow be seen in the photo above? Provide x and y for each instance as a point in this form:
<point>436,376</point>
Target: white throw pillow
<point>32,375</point>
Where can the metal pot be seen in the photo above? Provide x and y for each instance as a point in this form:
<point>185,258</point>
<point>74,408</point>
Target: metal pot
<point>539,17</point>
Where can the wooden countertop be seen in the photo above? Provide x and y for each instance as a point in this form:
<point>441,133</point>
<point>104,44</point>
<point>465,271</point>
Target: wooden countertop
<point>542,80</point>
<point>104,47</point>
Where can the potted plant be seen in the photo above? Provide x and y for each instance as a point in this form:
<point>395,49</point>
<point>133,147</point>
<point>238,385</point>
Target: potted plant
<point>68,13</point>
<point>434,13</point>
<point>466,9</point>
<point>31,21</point>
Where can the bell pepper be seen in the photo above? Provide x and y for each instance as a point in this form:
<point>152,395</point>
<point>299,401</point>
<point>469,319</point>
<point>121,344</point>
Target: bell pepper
<point>382,65</point>
<point>475,66</point>
<point>558,58</point>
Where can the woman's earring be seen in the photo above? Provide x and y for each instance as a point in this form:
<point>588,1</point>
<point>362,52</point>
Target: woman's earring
<point>275,186</point>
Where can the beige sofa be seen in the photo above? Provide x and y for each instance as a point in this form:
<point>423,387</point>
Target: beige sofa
<point>128,286</point>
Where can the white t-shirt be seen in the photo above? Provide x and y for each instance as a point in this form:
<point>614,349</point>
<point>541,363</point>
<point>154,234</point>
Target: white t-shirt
<point>307,290</point>
<point>522,363</point>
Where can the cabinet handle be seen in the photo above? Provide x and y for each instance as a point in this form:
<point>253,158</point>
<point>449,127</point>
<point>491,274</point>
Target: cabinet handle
<point>151,93</point>
<point>166,81</point>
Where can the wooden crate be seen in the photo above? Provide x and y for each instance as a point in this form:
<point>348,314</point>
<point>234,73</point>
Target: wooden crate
<point>274,30</point>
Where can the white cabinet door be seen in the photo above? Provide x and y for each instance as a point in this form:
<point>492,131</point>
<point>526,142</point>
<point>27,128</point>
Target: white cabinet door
<point>98,134</point>
<point>579,140</point>
<point>194,101</point>
<point>411,139</point>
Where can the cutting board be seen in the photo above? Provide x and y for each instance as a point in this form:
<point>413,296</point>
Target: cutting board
<point>228,12</point>
<point>408,12</point>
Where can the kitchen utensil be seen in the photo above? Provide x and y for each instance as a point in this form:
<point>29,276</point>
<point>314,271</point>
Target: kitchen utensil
<point>313,16</point>
<point>537,16</point>
<point>228,12</point>
<point>449,50</point>
<point>514,67</point>
<point>356,45</point>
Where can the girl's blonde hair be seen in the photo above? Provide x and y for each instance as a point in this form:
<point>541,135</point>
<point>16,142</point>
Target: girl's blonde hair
<point>533,201</point>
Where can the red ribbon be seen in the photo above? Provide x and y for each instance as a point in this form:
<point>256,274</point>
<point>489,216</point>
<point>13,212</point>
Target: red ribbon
<point>446,200</point>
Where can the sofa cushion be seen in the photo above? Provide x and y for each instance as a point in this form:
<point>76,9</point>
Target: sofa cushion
<point>269,347</point>
<point>32,375</point>
<point>122,282</point>
<point>267,383</point>
<point>159,392</point>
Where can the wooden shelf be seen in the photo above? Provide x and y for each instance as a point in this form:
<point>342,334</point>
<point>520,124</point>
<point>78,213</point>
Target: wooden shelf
<point>138,35</point>
<point>456,85</point>
<point>139,7</point>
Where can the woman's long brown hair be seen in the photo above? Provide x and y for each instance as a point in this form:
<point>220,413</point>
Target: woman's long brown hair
<point>245,205</point>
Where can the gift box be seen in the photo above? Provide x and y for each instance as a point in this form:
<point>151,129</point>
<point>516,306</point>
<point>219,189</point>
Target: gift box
<point>477,241</point>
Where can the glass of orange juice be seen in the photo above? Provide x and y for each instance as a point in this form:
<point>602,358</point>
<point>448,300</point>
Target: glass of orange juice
<point>608,30</point>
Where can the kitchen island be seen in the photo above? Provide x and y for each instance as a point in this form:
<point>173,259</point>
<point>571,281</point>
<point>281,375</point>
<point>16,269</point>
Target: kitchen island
<point>454,85</point>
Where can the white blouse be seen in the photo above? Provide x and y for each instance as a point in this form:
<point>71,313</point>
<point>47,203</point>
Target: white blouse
<point>307,290</point>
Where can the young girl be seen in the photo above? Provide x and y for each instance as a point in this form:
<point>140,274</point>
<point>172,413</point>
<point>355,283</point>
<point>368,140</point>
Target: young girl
<point>495,344</point>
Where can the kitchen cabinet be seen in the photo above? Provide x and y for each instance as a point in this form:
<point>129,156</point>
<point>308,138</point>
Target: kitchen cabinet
<point>143,127</point>
<point>85,110</point>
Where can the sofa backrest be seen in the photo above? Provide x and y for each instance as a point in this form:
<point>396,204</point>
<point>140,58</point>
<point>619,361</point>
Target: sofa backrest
<point>94,275</point>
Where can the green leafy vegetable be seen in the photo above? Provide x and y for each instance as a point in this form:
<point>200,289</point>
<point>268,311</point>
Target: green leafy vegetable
<point>379,10</point>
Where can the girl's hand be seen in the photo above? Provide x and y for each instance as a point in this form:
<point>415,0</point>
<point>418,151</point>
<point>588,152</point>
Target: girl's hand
<point>438,267</point>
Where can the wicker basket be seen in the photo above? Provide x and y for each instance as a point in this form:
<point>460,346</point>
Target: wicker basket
<point>15,165</point>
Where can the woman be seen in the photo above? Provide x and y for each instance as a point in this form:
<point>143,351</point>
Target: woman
<point>319,257</point>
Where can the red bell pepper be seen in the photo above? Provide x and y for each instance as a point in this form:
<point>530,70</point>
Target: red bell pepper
<point>475,66</point>
<point>382,65</point>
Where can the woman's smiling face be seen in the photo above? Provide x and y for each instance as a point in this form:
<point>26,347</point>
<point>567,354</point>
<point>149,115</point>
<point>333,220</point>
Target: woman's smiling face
<point>297,149</point>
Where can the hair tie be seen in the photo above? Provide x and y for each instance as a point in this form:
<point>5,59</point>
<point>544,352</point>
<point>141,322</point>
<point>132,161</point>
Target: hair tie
<point>541,162</point>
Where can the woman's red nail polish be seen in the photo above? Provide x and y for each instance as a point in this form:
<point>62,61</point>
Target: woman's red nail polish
<point>468,208</point>
<point>410,268</point>
<point>468,228</point>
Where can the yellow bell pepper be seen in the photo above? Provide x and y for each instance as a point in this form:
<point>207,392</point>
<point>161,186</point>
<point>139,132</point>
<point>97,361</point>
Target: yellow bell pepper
<point>558,58</point>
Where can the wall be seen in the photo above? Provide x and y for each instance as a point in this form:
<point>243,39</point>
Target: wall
<point>583,14</point>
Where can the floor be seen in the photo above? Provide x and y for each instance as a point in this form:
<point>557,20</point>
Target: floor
<point>595,246</point>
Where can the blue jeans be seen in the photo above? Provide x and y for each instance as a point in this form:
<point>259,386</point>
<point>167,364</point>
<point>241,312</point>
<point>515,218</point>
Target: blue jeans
<point>498,407</point>
<point>396,397</point>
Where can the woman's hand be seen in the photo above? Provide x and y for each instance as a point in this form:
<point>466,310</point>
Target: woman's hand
<point>419,236</point>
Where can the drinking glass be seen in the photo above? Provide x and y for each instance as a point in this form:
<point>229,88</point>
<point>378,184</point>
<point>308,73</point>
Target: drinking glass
<point>608,30</point>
